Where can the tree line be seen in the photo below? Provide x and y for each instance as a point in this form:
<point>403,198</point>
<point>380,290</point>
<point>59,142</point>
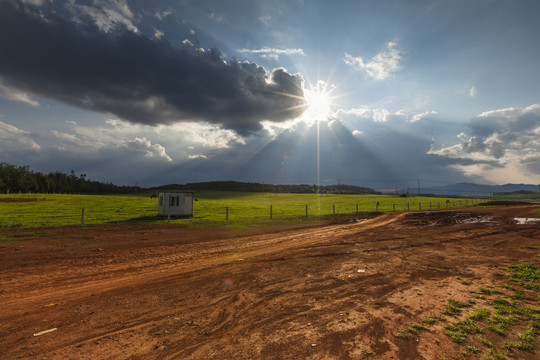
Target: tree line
<point>268,188</point>
<point>15,179</point>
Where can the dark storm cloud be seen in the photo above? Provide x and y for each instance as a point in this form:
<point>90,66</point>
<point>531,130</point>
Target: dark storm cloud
<point>139,79</point>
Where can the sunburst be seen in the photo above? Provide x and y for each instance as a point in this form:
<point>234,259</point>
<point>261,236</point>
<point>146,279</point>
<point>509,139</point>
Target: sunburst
<point>319,102</point>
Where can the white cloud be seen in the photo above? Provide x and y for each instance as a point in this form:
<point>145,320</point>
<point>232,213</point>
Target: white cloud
<point>363,112</point>
<point>161,15</point>
<point>158,34</point>
<point>272,53</point>
<point>15,95</point>
<point>473,91</point>
<point>384,115</point>
<point>381,114</point>
<point>201,134</point>
<point>274,57</point>
<point>381,66</point>
<point>35,2</point>
<point>357,133</point>
<point>420,116</point>
<point>107,14</point>
<point>265,19</point>
<point>216,17</point>
<point>506,112</point>
<point>508,137</point>
<point>198,156</point>
<point>151,151</point>
<point>13,138</point>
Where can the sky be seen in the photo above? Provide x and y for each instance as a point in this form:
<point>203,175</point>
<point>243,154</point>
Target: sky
<point>375,93</point>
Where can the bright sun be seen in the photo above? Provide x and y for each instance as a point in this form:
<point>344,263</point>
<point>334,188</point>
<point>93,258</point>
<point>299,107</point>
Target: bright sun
<point>319,101</point>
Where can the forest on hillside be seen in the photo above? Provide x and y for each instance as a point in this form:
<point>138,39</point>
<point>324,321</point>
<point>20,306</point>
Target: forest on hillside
<point>15,179</point>
<point>21,179</point>
<point>267,188</point>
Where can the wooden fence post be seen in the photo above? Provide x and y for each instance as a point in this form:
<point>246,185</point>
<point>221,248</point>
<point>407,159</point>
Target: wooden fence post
<point>420,206</point>
<point>334,209</point>
<point>357,208</point>
<point>394,207</point>
<point>408,207</point>
<point>227,213</point>
<point>270,212</point>
<point>306,211</point>
<point>82,216</point>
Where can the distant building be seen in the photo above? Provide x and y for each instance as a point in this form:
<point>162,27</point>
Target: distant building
<point>175,204</point>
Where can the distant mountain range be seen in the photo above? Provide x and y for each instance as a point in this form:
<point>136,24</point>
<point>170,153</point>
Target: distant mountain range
<point>476,189</point>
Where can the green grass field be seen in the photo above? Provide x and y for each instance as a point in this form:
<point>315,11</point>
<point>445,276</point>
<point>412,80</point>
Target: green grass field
<point>50,210</point>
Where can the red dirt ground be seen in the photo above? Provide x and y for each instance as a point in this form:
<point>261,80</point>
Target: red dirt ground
<point>319,291</point>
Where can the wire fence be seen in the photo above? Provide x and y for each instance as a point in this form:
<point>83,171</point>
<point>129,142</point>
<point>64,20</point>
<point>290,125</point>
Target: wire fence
<point>309,211</point>
<point>49,210</point>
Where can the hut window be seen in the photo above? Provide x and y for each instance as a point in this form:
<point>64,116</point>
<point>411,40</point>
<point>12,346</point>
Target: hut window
<point>174,201</point>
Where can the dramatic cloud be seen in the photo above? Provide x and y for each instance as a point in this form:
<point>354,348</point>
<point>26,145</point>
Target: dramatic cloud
<point>109,67</point>
<point>381,66</point>
<point>272,53</point>
<point>508,138</point>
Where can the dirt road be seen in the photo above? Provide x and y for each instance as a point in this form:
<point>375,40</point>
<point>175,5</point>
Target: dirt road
<point>321,291</point>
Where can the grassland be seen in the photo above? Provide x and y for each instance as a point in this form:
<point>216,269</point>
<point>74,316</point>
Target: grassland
<point>50,210</point>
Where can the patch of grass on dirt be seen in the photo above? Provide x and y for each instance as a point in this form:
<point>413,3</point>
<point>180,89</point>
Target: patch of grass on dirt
<point>485,291</point>
<point>402,335</point>
<point>456,336</point>
<point>525,274</point>
<point>504,324</point>
<point>531,246</point>
<point>454,307</point>
<point>367,352</point>
<point>473,349</point>
<point>433,319</point>
<point>486,342</point>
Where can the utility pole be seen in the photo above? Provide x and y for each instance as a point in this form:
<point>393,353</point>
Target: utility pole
<point>418,186</point>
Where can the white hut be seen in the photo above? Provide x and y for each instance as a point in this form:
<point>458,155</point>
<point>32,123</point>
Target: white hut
<point>175,204</point>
